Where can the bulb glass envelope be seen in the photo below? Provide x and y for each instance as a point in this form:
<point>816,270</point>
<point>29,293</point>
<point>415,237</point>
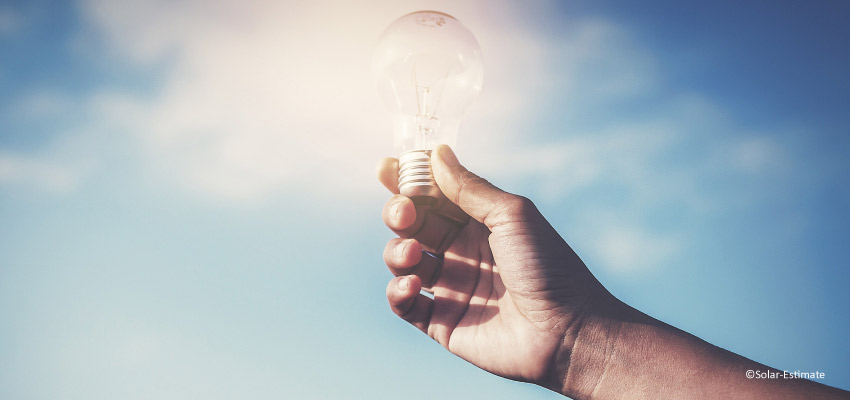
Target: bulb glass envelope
<point>428,69</point>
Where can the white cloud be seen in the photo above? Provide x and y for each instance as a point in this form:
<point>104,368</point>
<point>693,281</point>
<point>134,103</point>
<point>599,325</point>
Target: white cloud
<point>626,250</point>
<point>754,154</point>
<point>43,172</point>
<point>59,155</point>
<point>258,100</point>
<point>686,152</point>
<point>43,103</point>
<point>262,98</point>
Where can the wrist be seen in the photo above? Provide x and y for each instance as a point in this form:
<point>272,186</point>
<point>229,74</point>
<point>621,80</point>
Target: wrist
<point>619,352</point>
<point>581,364</point>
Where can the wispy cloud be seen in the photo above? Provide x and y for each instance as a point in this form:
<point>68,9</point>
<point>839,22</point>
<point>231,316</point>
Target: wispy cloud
<point>41,172</point>
<point>628,250</point>
<point>259,99</point>
<point>683,151</point>
<point>252,101</point>
<point>10,21</point>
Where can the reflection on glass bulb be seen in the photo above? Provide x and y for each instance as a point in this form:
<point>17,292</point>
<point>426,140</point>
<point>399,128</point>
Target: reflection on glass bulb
<point>428,69</point>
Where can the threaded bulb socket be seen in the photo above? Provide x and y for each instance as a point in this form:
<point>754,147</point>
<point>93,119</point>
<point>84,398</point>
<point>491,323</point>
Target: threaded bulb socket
<point>415,178</point>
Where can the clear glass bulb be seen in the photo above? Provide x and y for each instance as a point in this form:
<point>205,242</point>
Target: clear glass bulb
<point>428,69</point>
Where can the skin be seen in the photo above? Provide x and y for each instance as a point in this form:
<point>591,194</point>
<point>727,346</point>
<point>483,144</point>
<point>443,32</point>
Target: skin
<point>514,299</point>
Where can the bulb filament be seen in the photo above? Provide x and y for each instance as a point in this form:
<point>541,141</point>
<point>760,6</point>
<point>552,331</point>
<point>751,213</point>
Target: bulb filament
<point>426,119</point>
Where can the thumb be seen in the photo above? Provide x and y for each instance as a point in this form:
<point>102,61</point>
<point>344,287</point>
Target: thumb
<point>474,195</point>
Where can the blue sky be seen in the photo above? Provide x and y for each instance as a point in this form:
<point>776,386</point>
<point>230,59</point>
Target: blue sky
<point>188,207</point>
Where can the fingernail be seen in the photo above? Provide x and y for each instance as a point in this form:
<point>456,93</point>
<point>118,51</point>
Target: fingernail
<point>448,156</point>
<point>404,283</point>
<point>400,248</point>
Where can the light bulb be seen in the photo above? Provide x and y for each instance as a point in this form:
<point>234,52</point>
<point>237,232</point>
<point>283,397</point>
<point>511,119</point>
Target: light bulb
<point>428,69</point>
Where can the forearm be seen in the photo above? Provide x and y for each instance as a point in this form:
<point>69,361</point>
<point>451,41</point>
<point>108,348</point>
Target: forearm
<point>624,354</point>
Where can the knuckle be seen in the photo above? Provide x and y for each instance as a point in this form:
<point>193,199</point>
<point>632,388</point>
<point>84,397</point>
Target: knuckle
<point>522,206</point>
<point>511,209</point>
<point>467,181</point>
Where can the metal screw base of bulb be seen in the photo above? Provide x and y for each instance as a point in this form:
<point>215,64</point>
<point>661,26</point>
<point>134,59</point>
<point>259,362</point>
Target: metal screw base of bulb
<point>415,179</point>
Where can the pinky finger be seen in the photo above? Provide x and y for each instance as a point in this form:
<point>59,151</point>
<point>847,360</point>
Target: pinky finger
<point>406,301</point>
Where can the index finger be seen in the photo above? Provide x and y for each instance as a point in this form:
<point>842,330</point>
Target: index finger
<point>388,173</point>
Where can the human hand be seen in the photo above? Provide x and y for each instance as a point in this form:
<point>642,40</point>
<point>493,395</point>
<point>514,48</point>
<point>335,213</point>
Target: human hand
<point>510,296</point>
